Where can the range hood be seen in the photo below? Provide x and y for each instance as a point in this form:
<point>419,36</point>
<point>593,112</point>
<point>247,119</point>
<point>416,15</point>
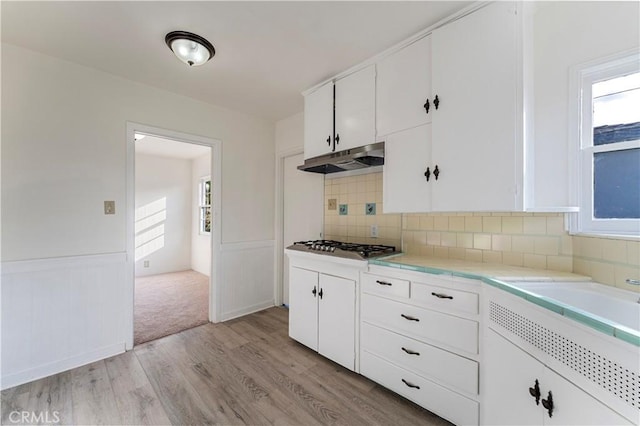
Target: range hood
<point>349,159</point>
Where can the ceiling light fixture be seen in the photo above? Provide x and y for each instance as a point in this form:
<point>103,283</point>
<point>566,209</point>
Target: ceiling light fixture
<point>190,48</point>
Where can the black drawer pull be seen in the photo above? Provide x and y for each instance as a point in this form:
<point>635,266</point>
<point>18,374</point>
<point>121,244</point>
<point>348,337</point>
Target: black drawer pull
<point>441,296</point>
<point>407,317</point>
<point>410,352</point>
<point>383,283</point>
<point>411,385</point>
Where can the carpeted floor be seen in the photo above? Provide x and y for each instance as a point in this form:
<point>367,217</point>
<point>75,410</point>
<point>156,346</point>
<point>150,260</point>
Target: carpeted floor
<point>168,303</point>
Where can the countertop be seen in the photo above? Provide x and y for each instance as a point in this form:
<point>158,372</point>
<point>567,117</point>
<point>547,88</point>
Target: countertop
<point>473,270</point>
<point>505,277</point>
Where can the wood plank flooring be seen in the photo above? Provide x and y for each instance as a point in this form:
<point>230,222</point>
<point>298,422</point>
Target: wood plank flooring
<point>244,371</point>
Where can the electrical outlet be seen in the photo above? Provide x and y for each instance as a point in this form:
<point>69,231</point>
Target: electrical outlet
<point>373,231</point>
<point>333,203</point>
<point>146,263</point>
<point>109,207</point>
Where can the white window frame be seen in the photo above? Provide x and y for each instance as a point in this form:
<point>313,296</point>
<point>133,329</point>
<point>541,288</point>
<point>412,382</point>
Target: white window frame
<point>581,136</point>
<point>202,204</point>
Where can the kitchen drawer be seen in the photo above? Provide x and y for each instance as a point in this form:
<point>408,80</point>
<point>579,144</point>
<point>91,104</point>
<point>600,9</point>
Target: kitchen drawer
<point>426,360</point>
<point>444,299</point>
<point>423,324</point>
<point>438,399</point>
<point>385,286</point>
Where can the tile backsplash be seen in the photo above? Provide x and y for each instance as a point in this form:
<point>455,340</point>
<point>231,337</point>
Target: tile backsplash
<point>356,192</point>
<point>534,240</point>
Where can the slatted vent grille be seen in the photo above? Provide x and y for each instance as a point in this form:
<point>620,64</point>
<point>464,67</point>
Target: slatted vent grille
<point>615,379</point>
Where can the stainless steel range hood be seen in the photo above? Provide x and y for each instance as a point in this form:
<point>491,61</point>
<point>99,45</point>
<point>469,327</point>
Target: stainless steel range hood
<point>349,159</point>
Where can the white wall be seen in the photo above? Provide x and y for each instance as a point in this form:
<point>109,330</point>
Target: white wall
<point>55,177</point>
<point>49,109</point>
<point>565,34</point>
<point>200,243</point>
<point>290,133</point>
<point>164,209</point>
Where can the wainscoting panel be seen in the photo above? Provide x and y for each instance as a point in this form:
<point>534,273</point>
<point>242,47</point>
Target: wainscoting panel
<point>61,313</point>
<point>247,277</point>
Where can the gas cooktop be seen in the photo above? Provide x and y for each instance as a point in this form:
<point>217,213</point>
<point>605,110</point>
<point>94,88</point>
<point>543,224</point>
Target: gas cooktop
<point>342,249</point>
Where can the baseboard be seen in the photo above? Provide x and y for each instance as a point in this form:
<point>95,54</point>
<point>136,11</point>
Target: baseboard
<point>50,369</point>
<point>248,310</point>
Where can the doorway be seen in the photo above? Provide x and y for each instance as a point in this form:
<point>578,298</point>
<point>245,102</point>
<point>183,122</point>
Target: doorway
<point>172,236</point>
<point>173,227</point>
<point>303,210</point>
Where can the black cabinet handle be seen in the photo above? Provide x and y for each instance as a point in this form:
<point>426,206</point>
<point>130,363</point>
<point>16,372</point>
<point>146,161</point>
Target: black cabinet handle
<point>410,352</point>
<point>441,296</point>
<point>411,385</point>
<point>329,140</point>
<point>320,294</point>
<point>408,318</point>
<point>548,404</point>
<point>535,392</point>
<point>337,139</point>
<point>314,291</point>
<point>383,283</point>
<point>426,106</point>
<point>427,174</point>
<point>436,172</point>
<point>436,102</point>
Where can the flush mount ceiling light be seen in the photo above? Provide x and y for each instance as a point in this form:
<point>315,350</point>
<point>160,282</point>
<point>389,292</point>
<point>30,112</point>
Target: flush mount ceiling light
<point>190,48</point>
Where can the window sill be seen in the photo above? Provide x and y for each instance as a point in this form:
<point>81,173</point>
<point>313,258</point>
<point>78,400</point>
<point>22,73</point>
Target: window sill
<point>610,235</point>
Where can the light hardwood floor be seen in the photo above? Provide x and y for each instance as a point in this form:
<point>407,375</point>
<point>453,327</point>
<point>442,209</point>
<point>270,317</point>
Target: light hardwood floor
<point>244,371</point>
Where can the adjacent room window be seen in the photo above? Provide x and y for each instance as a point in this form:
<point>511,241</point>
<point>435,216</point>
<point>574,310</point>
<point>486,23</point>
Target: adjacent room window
<point>610,147</point>
<point>204,205</point>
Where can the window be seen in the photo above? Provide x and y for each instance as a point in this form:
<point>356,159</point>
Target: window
<point>609,159</point>
<point>204,205</point>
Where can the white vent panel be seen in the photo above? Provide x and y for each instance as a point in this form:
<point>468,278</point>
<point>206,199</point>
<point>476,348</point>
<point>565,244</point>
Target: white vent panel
<point>615,379</point>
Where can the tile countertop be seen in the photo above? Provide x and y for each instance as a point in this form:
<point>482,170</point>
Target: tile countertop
<point>505,277</point>
<point>473,270</point>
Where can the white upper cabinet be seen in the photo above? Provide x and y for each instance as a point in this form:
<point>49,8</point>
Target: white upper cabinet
<point>353,123</point>
<point>403,88</point>
<point>407,158</point>
<point>318,121</point>
<point>355,109</point>
<point>472,152</point>
<point>475,125</point>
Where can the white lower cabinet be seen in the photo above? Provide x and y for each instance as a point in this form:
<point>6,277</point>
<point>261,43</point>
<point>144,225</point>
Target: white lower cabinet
<point>419,336</point>
<point>432,396</point>
<point>337,319</point>
<point>459,372</point>
<point>520,390</point>
<point>322,314</point>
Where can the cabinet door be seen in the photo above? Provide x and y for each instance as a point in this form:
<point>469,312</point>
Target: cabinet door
<point>403,87</point>
<point>474,128</point>
<point>337,320</point>
<point>303,306</point>
<point>355,109</point>
<point>573,406</point>
<point>508,373</point>
<point>407,156</point>
<point>318,121</point>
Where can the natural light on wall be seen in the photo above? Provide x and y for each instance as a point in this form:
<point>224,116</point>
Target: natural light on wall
<point>149,227</point>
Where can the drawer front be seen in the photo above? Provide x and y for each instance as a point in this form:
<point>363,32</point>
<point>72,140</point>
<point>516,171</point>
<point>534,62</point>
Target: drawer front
<point>429,361</point>
<point>438,399</point>
<point>443,298</point>
<point>385,286</point>
<point>422,324</point>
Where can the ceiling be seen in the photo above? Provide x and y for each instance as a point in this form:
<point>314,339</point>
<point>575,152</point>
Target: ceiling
<point>161,147</point>
<point>267,52</point>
